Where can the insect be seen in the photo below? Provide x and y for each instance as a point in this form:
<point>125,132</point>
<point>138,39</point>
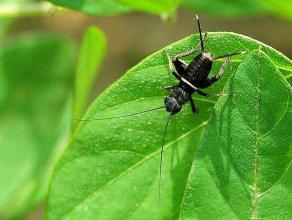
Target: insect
<point>192,78</point>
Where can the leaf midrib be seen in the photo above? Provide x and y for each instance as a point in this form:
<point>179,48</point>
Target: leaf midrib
<point>255,193</point>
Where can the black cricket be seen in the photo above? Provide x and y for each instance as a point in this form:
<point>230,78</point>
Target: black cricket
<point>192,78</point>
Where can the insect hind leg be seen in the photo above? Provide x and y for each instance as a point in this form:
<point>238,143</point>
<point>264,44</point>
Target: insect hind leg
<point>214,79</point>
<point>220,73</point>
<point>172,67</point>
<point>192,51</point>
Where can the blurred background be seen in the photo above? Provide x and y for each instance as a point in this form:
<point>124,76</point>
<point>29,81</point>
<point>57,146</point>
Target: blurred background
<point>39,55</point>
<point>125,47</point>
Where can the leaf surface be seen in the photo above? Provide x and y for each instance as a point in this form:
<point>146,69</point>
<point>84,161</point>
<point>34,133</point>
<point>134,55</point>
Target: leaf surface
<point>111,168</point>
<point>242,168</point>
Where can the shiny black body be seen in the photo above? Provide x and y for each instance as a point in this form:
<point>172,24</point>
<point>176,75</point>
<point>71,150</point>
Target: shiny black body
<point>198,70</point>
<point>196,73</point>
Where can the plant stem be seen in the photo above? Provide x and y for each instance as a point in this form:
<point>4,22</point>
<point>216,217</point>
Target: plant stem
<point>14,10</point>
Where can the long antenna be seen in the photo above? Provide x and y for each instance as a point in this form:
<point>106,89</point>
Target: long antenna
<point>161,152</point>
<point>120,116</point>
<point>201,38</point>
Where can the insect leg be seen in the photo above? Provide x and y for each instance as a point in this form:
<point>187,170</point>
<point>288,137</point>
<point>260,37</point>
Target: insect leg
<point>172,67</point>
<point>193,106</point>
<point>190,52</point>
<point>220,73</point>
<point>196,88</point>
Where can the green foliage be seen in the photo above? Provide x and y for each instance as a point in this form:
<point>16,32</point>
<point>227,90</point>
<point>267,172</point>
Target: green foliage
<point>242,165</point>
<point>110,169</point>
<point>93,7</point>
<point>156,7</point>
<point>90,57</point>
<point>108,7</point>
<point>233,8</point>
<point>34,87</point>
<point>226,7</point>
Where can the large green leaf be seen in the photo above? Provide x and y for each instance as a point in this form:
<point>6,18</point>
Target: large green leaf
<point>35,117</point>
<point>110,169</point>
<point>93,7</point>
<point>242,168</point>
<point>90,57</point>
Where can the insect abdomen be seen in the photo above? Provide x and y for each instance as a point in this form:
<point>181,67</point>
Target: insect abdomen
<point>199,69</point>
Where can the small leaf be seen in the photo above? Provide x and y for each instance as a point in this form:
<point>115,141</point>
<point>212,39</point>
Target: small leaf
<point>93,7</point>
<point>90,57</point>
<point>242,168</point>
<point>111,168</point>
<point>35,116</point>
